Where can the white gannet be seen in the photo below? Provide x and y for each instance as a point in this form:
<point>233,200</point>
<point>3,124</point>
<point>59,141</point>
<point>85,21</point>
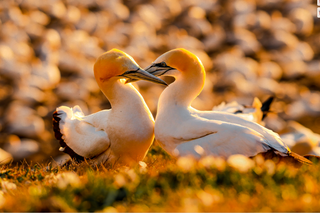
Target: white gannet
<point>256,112</point>
<point>182,130</point>
<point>122,134</point>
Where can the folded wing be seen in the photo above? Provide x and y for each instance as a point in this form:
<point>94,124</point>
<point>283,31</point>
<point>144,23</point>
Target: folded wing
<point>86,136</point>
<point>224,140</point>
<point>272,138</point>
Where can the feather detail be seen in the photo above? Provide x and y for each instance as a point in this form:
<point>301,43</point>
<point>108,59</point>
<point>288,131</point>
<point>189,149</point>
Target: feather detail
<point>291,158</point>
<point>57,133</point>
<point>82,134</point>
<point>300,158</point>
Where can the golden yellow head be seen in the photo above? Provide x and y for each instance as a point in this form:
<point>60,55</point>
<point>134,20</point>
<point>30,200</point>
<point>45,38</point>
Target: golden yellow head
<point>177,59</point>
<point>113,63</point>
<point>116,63</point>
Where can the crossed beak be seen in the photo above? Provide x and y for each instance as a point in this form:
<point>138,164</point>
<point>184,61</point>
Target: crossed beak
<point>140,74</point>
<point>158,69</point>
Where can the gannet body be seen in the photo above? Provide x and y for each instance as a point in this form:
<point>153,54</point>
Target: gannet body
<point>256,112</point>
<point>182,130</point>
<point>122,134</point>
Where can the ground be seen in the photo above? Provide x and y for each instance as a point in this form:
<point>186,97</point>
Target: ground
<point>161,183</point>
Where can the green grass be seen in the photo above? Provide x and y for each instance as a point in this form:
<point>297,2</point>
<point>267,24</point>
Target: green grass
<point>166,185</point>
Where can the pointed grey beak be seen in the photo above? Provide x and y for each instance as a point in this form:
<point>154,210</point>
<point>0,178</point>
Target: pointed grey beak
<point>140,74</point>
<point>158,69</point>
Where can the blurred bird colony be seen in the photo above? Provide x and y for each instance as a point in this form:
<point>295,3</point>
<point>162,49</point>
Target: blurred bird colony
<point>249,49</point>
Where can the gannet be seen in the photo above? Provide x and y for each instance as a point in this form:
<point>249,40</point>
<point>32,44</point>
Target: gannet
<point>122,134</point>
<point>182,130</point>
<point>256,112</point>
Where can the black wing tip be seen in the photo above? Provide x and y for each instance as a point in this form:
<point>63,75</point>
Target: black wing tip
<point>55,116</point>
<point>57,133</point>
<point>266,106</point>
<point>55,123</point>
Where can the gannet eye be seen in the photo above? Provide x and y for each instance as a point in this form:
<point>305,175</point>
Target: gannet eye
<point>163,64</point>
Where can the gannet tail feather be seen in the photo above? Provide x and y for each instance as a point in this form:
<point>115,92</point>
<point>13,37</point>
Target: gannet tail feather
<point>300,158</point>
<point>291,158</point>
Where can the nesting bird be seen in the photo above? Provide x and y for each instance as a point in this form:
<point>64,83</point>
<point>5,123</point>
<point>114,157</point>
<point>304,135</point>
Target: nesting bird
<point>182,130</point>
<point>256,112</point>
<point>122,134</point>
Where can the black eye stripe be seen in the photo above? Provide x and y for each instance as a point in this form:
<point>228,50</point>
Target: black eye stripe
<point>161,64</point>
<point>131,71</point>
<point>165,71</point>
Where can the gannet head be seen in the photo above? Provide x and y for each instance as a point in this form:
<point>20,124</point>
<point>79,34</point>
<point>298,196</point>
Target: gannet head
<point>118,64</point>
<point>175,62</point>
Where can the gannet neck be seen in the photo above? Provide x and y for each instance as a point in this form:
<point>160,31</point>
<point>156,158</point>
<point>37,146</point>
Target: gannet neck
<point>121,96</point>
<point>187,86</point>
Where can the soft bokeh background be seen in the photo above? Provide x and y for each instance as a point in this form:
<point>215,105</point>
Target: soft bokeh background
<point>250,48</point>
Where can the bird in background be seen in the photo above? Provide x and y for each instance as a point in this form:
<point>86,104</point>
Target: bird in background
<point>256,112</point>
<point>182,130</point>
<point>120,135</point>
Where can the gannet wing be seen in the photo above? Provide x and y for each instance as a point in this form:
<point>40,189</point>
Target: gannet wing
<point>239,136</point>
<point>85,135</point>
<point>218,138</point>
<point>272,138</point>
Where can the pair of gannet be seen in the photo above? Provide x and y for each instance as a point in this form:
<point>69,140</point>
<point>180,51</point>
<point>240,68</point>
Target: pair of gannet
<point>125,133</point>
<point>121,135</point>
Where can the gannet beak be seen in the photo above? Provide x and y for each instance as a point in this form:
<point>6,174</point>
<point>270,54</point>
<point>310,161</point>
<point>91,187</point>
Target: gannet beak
<point>158,69</point>
<point>140,74</point>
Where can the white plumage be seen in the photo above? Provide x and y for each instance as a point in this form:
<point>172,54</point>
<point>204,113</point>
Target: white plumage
<point>181,129</point>
<point>86,135</point>
<point>122,134</point>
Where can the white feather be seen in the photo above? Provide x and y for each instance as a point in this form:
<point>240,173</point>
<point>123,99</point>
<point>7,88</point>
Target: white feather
<point>181,129</point>
<point>122,134</point>
<point>84,135</point>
